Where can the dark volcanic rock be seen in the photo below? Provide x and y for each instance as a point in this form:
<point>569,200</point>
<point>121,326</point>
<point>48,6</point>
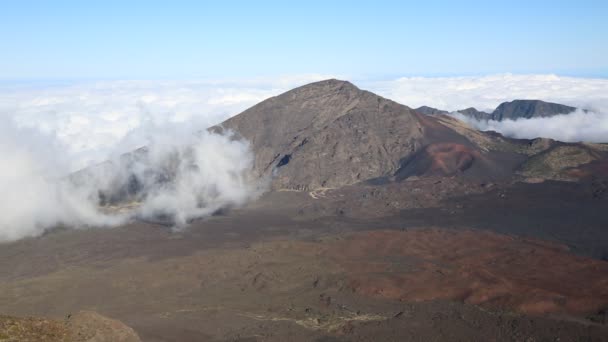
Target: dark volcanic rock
<point>529,109</point>
<point>331,133</point>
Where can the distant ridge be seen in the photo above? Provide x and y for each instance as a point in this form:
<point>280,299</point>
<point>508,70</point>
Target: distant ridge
<point>474,113</point>
<point>529,109</point>
<point>426,110</point>
<point>513,110</point>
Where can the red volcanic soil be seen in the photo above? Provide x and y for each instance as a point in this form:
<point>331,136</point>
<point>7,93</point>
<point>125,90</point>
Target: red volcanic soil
<point>441,159</point>
<point>476,267</point>
<point>450,158</point>
<point>598,169</point>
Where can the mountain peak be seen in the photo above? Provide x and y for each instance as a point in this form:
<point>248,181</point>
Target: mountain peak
<point>327,133</point>
<point>328,82</point>
<point>324,87</point>
<point>529,109</point>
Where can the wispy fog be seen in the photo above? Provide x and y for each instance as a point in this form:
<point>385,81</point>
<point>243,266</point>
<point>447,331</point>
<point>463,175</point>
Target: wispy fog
<point>48,132</point>
<point>183,173</point>
<point>35,194</point>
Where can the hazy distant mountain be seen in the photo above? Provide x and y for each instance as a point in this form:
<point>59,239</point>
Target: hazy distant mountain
<point>474,113</point>
<point>529,109</point>
<point>513,110</point>
<point>426,110</point>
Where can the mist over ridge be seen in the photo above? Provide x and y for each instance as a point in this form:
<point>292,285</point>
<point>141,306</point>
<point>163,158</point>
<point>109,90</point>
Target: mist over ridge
<point>183,172</point>
<point>52,131</point>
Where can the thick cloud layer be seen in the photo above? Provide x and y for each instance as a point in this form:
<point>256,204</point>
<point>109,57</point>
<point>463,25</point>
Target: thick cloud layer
<point>34,194</point>
<point>49,131</point>
<point>182,174</point>
<point>92,119</point>
<point>487,92</point>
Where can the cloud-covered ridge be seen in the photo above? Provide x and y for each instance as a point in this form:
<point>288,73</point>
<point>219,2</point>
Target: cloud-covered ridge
<point>48,131</point>
<point>95,119</point>
<point>181,174</point>
<point>572,127</point>
<point>487,92</point>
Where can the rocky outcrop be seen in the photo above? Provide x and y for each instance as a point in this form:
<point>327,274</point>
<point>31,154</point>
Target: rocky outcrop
<point>85,326</point>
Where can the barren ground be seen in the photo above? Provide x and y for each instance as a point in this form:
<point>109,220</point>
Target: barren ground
<point>515,263</point>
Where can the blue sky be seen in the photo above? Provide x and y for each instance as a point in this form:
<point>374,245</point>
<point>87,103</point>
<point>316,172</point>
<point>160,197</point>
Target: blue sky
<point>231,39</point>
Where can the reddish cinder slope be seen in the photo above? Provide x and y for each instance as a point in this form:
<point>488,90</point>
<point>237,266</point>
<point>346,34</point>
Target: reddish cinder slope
<point>594,169</point>
<point>475,267</point>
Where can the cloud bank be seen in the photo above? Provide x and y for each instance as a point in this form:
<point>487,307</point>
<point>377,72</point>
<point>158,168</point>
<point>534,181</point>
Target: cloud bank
<point>49,131</point>
<point>487,92</point>
<point>573,127</point>
<point>92,119</point>
<point>34,196</point>
<point>180,175</point>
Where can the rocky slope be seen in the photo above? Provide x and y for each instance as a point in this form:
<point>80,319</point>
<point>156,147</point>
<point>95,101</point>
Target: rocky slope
<point>85,326</point>
<point>331,134</point>
<point>328,134</point>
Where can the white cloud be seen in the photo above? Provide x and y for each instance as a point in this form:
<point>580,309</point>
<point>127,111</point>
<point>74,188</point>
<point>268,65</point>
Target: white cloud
<point>573,127</point>
<point>90,119</point>
<point>48,131</point>
<point>487,92</point>
<point>185,174</point>
<point>35,196</point>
